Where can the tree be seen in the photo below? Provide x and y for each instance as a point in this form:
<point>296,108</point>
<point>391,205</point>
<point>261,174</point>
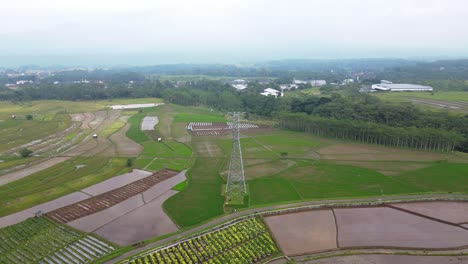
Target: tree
<point>25,152</point>
<point>129,162</point>
<point>29,117</point>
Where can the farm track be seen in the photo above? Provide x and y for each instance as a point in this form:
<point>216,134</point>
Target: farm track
<point>13,176</point>
<point>323,203</point>
<point>108,199</point>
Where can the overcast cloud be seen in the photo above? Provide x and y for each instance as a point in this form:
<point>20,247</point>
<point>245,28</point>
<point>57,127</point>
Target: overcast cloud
<point>216,30</point>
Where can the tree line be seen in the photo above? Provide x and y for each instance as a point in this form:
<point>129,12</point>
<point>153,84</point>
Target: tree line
<point>385,122</point>
<point>373,133</point>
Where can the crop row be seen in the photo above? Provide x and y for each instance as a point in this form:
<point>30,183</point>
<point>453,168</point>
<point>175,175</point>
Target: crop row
<point>244,242</point>
<point>41,240</point>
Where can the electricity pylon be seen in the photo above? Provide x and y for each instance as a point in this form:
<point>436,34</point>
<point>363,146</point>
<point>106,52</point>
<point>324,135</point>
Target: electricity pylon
<point>235,187</point>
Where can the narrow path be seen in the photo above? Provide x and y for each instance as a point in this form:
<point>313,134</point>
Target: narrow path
<point>13,176</point>
<point>238,214</point>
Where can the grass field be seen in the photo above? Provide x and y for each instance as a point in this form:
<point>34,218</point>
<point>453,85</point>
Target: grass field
<point>202,199</point>
<point>280,166</point>
<point>285,166</point>
<point>443,96</point>
<point>58,180</point>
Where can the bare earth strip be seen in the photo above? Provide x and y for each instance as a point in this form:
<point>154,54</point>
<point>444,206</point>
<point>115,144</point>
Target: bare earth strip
<point>386,227</point>
<point>72,198</point>
<point>390,259</point>
<point>304,232</point>
<point>92,222</point>
<point>30,170</point>
<point>45,207</point>
<point>116,182</point>
<point>124,145</point>
<point>454,212</point>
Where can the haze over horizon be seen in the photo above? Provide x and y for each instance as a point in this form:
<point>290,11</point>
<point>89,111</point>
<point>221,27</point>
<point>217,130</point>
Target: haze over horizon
<point>141,32</point>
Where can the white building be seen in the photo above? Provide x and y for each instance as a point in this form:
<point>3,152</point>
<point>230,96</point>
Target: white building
<point>239,81</point>
<point>288,86</point>
<point>318,82</point>
<point>239,86</point>
<point>299,82</point>
<point>347,81</point>
<point>271,92</point>
<point>401,87</point>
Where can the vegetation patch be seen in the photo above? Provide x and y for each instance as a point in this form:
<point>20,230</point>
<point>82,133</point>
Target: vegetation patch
<point>39,240</point>
<point>114,127</point>
<point>57,181</point>
<point>201,200</point>
<point>180,186</point>
<point>247,241</point>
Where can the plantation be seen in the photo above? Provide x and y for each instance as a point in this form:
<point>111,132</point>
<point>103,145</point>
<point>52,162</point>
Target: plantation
<point>247,242</point>
<point>39,240</point>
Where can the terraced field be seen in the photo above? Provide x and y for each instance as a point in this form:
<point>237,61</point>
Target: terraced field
<point>247,241</point>
<point>39,240</point>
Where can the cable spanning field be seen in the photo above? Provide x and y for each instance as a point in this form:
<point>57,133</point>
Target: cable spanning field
<point>39,240</point>
<point>247,241</point>
<point>108,199</point>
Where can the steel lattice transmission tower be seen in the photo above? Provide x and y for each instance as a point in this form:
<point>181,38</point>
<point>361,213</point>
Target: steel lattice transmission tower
<point>235,187</point>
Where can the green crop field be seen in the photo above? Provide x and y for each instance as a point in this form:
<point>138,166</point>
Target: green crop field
<point>285,166</point>
<point>247,241</point>
<point>39,240</point>
<point>202,199</point>
<point>56,181</point>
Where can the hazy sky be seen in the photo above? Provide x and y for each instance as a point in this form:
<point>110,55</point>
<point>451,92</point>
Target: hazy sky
<point>217,30</point>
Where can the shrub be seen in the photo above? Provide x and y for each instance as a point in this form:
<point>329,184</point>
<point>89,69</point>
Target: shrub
<point>25,152</point>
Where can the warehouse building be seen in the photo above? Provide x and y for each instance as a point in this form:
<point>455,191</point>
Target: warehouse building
<point>401,87</point>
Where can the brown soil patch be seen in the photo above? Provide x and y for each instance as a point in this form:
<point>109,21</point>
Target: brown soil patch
<point>455,212</point>
<point>304,232</point>
<point>390,259</point>
<point>364,152</point>
<point>386,227</point>
<point>125,146</point>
